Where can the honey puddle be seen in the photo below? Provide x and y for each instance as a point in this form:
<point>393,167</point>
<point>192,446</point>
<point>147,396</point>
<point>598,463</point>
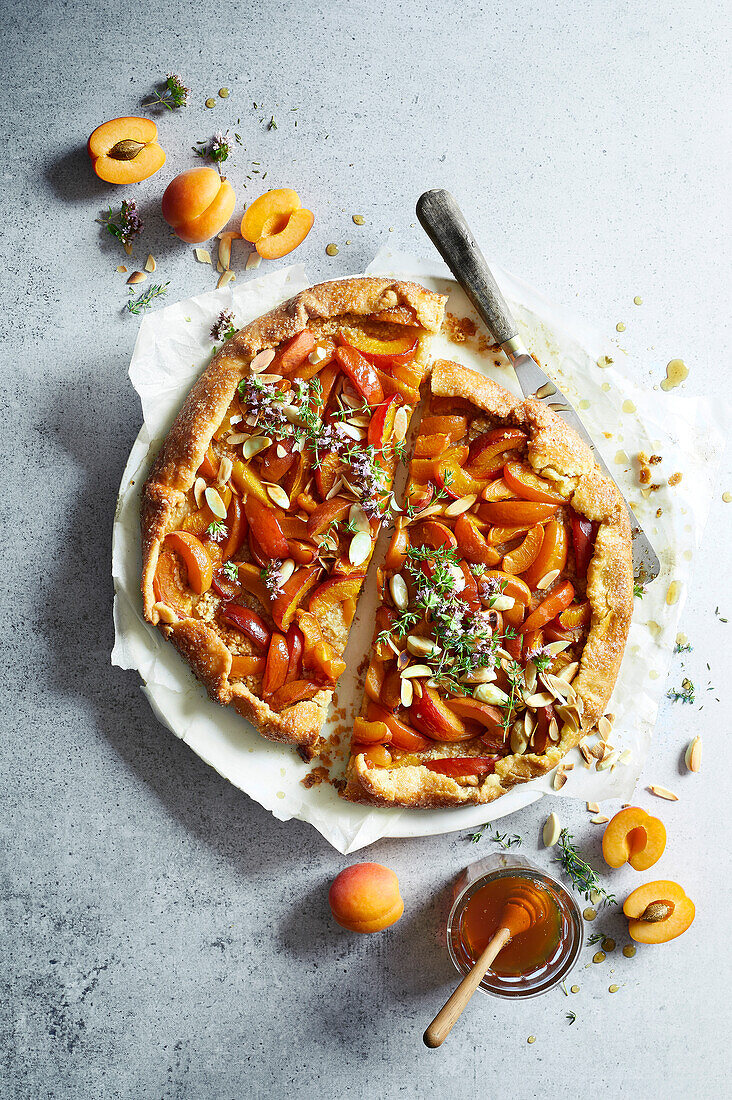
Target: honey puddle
<point>676,372</point>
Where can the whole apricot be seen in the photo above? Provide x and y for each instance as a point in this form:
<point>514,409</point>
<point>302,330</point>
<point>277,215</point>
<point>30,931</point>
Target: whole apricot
<point>125,150</point>
<point>197,204</point>
<point>365,898</point>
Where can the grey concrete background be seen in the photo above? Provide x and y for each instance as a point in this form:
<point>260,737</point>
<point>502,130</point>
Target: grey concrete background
<point>162,935</point>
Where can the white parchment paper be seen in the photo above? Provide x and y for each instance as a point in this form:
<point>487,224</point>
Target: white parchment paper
<point>172,348</point>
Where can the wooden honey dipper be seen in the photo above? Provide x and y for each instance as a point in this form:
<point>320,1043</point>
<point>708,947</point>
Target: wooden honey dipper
<point>522,910</point>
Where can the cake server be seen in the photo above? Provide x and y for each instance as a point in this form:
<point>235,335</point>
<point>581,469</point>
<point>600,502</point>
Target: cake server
<point>443,221</point>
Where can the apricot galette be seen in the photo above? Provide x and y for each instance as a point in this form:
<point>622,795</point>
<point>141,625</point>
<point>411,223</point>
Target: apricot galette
<point>506,598</point>
<point>260,514</point>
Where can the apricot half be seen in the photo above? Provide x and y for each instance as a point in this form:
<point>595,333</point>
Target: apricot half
<point>634,837</point>
<point>197,204</point>
<point>658,912</point>
<point>125,150</point>
<point>366,898</point>
<point>276,223</point>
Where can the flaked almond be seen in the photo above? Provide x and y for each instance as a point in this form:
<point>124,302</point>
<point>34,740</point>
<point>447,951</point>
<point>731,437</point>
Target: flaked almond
<point>122,269</point>
<point>555,648</point>
<point>235,438</point>
<point>540,699</point>
<point>150,264</point>
<point>351,431</point>
<point>490,693</point>
<point>519,740</point>
<point>553,735</point>
<point>413,671</point>
<point>530,723</point>
<point>261,360</point>
<point>547,579</point>
<point>692,756</point>
<point>604,727</point>
<point>253,261</point>
<point>225,254</point>
<point>529,678</point>
<point>254,445</point>
<point>663,792</point>
<point>457,507</point>
<point>625,757</point>
<point>550,832</point>
<point>358,518</point>
<point>406,692</point>
<point>560,689</point>
<point>585,752</point>
<point>199,486</point>
<point>481,675</point>
<point>225,278</point>
<point>215,503</point>
<point>334,489</point>
<point>278,495</point>
<point>569,716</point>
<point>359,548</point>
<point>458,577</point>
<point>608,761</point>
<point>286,570</point>
<point>593,807</point>
<point>202,255</point>
<point>599,819</point>
<point>225,468</point>
<point>502,603</point>
<point>569,672</point>
<point>559,779</point>
<point>359,421</point>
<point>136,277</point>
<point>401,423</point>
<point>317,355</point>
<point>399,591</point>
<point>422,647</point>
<point>165,613</point>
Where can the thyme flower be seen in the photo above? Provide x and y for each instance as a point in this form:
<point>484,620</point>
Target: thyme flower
<point>218,149</point>
<point>223,327</point>
<point>174,93</point>
<point>125,224</point>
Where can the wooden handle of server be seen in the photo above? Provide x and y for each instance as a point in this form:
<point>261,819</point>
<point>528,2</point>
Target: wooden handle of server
<point>450,1012</point>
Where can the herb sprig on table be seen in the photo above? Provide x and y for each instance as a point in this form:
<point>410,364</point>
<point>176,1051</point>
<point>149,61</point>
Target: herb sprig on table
<point>685,695</point>
<point>145,300</point>
<point>125,224</point>
<point>174,93</point>
<point>584,878</point>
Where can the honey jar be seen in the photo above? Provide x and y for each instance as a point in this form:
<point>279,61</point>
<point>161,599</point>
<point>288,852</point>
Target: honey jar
<point>533,961</point>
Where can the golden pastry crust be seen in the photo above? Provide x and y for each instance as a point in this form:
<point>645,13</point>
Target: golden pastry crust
<point>164,495</point>
<point>554,446</point>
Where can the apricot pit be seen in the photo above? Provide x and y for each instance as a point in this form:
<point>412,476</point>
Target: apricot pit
<point>658,911</point>
<point>126,150</point>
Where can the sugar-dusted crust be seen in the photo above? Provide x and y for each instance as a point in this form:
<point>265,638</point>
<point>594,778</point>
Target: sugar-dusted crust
<point>555,447</point>
<point>164,499</point>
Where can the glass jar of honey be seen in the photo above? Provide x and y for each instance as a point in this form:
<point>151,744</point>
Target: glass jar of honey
<point>533,961</point>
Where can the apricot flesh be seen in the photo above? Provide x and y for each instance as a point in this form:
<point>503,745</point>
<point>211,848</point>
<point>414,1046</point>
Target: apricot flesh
<point>276,245</point>
<point>634,837</point>
<point>197,204</point>
<point>365,898</point>
<point>269,213</point>
<point>651,900</point>
<point>125,150</point>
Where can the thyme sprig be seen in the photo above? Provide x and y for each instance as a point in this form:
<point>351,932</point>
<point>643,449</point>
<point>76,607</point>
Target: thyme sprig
<point>172,94</point>
<point>125,224</point>
<point>231,570</point>
<point>584,878</point>
<point>218,149</point>
<point>685,695</point>
<point>223,327</point>
<point>145,300</point>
